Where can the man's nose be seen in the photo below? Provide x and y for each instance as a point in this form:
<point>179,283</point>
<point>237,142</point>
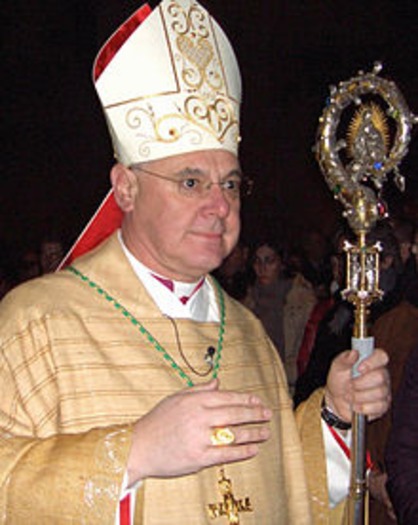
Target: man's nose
<point>218,200</point>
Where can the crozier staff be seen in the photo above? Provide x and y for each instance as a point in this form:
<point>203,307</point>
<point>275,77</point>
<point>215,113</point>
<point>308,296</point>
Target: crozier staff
<point>134,390</point>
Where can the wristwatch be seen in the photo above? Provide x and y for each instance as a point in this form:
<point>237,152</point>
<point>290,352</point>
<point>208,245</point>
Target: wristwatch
<point>332,419</point>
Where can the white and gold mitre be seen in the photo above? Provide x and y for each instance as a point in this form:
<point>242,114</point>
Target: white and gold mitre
<point>169,83</point>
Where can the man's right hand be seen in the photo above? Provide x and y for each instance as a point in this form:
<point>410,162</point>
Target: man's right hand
<point>174,438</point>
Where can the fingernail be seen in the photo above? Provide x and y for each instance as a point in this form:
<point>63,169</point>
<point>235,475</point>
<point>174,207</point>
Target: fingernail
<point>267,413</point>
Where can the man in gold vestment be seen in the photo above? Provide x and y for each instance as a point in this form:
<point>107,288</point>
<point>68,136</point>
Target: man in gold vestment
<point>134,390</point>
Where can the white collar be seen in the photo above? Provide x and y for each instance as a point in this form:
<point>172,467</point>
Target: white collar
<point>202,305</point>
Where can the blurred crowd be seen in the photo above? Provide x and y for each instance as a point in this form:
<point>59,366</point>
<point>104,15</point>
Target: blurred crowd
<point>295,290</point>
<point>18,266</point>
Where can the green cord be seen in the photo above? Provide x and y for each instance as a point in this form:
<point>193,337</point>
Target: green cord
<point>150,338</point>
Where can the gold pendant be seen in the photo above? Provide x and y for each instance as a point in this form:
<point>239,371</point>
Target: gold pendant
<point>229,507</point>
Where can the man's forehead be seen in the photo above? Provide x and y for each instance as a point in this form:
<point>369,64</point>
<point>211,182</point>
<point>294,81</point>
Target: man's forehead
<point>201,161</point>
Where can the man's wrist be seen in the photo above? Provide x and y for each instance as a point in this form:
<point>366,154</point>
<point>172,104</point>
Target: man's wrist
<point>331,418</point>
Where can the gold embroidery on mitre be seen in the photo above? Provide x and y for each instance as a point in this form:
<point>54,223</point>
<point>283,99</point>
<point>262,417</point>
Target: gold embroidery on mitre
<point>200,55</point>
<point>216,117</point>
<point>200,71</point>
<point>201,105</point>
<point>196,110</point>
<point>167,129</point>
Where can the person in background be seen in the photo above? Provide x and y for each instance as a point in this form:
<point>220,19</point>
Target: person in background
<point>397,331</point>
<point>134,390</point>
<point>328,296</point>
<point>233,274</point>
<point>336,326</point>
<point>317,252</point>
<point>402,448</point>
<point>28,266</point>
<point>404,231</point>
<point>390,270</point>
<point>267,296</point>
<point>414,251</point>
<point>51,254</point>
<point>300,302</point>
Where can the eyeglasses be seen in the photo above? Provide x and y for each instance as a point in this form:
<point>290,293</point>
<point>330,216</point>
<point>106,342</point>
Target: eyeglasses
<point>193,184</point>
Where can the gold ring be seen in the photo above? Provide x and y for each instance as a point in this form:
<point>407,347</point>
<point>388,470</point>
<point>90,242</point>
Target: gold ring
<point>222,436</point>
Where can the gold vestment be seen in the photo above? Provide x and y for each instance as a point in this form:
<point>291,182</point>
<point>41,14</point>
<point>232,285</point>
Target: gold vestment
<point>76,374</point>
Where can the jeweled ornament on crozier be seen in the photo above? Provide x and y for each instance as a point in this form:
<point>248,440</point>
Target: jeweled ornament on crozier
<point>368,142</point>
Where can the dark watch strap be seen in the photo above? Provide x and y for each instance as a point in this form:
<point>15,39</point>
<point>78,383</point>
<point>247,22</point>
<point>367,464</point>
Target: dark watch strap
<point>332,419</point>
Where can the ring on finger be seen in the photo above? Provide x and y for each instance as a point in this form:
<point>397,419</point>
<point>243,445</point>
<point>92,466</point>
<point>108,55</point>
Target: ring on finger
<point>222,436</point>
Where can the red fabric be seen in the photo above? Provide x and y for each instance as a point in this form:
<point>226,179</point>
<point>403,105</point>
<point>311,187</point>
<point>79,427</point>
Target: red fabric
<point>105,221</point>
<point>108,217</point>
<point>125,511</point>
<point>199,285</point>
<point>168,283</point>
<point>117,40</point>
<point>346,450</point>
<point>311,329</point>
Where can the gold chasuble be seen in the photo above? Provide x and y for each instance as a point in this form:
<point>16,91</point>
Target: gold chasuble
<point>309,425</point>
<point>76,373</point>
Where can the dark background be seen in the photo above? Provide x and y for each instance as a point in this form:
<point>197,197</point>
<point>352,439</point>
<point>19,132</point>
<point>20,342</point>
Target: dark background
<point>56,154</point>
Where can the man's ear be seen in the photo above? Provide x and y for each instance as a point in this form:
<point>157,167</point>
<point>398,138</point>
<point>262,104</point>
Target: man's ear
<point>124,185</point>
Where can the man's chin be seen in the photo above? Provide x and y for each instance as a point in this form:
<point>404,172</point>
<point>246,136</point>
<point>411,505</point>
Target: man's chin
<point>210,263</point>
